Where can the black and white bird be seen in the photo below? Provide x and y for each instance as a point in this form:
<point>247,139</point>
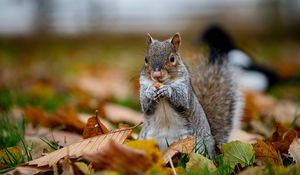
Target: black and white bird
<point>250,74</point>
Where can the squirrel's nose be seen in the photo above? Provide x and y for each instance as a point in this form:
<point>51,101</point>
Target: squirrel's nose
<point>156,74</point>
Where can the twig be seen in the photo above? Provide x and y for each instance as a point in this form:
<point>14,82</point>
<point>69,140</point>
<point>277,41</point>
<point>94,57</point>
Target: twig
<point>172,165</point>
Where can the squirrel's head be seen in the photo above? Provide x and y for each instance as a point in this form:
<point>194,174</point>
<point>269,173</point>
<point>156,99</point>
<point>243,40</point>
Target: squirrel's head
<point>162,61</point>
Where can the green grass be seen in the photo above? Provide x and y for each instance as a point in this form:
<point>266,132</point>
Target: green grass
<point>128,102</point>
<point>6,100</point>
<point>49,103</point>
<point>11,131</point>
<point>11,135</point>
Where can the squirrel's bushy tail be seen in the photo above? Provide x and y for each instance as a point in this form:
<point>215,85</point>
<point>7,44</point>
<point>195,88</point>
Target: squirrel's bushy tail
<point>220,97</point>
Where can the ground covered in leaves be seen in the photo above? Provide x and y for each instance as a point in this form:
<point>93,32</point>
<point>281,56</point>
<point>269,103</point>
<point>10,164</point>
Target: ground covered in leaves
<point>71,106</point>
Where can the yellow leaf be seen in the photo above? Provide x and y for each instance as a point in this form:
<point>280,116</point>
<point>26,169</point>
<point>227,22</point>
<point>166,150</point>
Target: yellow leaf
<point>111,173</point>
<point>199,162</point>
<point>157,169</point>
<point>84,168</point>
<point>8,155</point>
<point>149,146</point>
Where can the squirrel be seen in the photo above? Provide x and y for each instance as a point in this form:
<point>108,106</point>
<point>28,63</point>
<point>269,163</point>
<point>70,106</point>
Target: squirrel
<point>177,103</point>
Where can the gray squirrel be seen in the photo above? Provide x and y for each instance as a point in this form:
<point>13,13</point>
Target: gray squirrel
<point>177,103</point>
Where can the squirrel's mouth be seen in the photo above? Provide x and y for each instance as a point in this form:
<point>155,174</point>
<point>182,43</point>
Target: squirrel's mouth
<point>160,80</point>
<point>159,76</point>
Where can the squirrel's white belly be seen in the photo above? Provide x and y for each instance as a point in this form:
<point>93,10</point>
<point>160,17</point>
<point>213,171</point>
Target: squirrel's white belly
<point>167,126</point>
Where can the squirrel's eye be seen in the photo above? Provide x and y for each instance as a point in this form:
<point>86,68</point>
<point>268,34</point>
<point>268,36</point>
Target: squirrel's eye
<point>146,60</point>
<point>172,59</point>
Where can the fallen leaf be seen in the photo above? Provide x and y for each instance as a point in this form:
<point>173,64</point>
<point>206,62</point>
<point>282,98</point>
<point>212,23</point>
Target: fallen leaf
<point>285,112</point>
<point>260,127</point>
<point>244,136</point>
<point>265,152</point>
<point>30,170</point>
<point>256,104</point>
<point>11,155</point>
<point>285,141</point>
<point>268,108</point>
<point>36,116</point>
<point>117,113</point>
<point>238,152</point>
<point>158,169</point>
<point>66,116</point>
<point>83,117</point>
<point>94,127</point>
<point>63,116</point>
<point>150,147</point>
<point>67,168</point>
<point>198,162</point>
<point>33,137</point>
<point>294,150</point>
<point>105,83</point>
<point>186,145</point>
<point>90,145</point>
<point>120,158</point>
<point>278,133</point>
<point>84,168</point>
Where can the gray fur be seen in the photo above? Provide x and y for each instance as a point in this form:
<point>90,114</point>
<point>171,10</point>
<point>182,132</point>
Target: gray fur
<point>173,111</point>
<point>219,95</point>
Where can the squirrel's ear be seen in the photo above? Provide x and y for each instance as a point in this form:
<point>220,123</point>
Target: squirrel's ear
<point>149,39</point>
<point>176,41</point>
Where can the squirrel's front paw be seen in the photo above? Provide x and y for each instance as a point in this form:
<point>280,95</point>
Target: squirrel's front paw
<point>151,92</point>
<point>164,91</point>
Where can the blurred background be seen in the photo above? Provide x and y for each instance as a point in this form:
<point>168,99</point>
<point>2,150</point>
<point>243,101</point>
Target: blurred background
<point>78,52</point>
<point>60,60</point>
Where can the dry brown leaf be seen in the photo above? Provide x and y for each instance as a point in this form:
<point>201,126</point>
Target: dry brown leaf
<point>278,133</point>
<point>90,145</point>
<point>260,127</point>
<point>117,113</point>
<point>121,158</point>
<point>244,136</point>
<point>30,170</point>
<point>183,146</point>
<point>284,143</point>
<point>94,127</point>
<point>294,150</point>
<point>266,152</point>
<point>64,116</point>
<point>285,112</point>
<point>250,109</point>
<point>67,168</point>
<point>36,116</point>
<point>105,83</point>
<point>258,104</point>
<point>83,117</point>
<point>33,137</point>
